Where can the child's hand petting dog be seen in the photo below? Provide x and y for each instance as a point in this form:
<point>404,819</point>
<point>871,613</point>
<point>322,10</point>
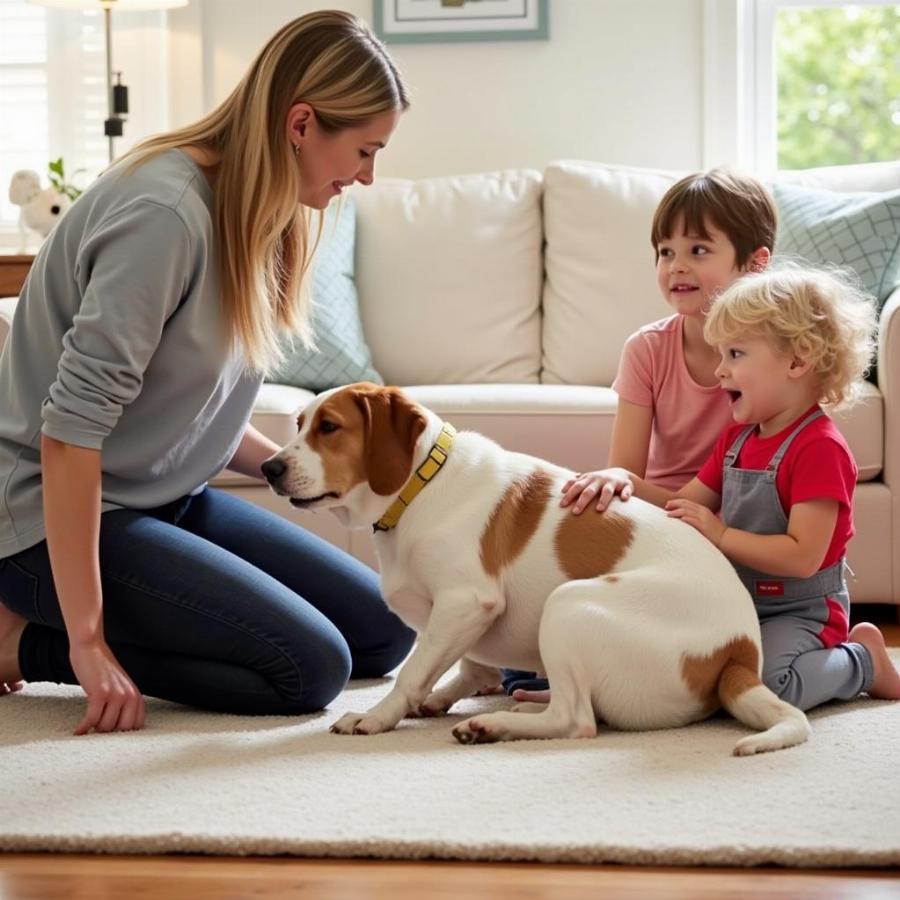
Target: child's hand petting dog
<point>585,487</point>
<point>699,517</point>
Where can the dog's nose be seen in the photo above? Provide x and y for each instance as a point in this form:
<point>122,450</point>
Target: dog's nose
<point>273,469</point>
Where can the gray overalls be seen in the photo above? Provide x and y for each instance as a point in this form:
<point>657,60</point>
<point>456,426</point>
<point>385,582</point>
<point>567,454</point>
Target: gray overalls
<point>803,620</point>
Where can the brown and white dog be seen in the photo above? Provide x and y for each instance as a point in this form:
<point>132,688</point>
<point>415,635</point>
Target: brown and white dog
<point>636,618</point>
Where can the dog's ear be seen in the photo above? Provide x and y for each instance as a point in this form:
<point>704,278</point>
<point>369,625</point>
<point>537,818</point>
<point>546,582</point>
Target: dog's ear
<point>393,424</point>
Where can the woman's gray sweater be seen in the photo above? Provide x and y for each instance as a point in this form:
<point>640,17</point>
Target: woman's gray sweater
<point>117,344</point>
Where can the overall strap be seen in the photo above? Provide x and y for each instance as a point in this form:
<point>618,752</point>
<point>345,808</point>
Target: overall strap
<point>775,461</point>
<point>732,454</point>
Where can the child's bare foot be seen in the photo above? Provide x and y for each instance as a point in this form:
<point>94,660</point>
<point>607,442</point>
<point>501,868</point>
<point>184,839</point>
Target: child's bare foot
<point>886,683</point>
<point>11,627</point>
<point>531,696</point>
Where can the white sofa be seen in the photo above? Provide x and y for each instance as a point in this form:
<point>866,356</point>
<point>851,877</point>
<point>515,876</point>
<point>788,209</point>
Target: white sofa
<point>502,300</point>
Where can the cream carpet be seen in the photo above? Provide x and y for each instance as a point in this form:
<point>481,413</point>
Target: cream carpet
<point>199,782</point>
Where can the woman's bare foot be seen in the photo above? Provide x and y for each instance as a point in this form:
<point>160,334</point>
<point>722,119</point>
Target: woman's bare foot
<point>11,627</point>
<point>886,683</point>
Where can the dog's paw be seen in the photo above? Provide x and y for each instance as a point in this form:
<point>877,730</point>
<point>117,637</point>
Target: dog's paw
<point>435,704</point>
<point>475,731</point>
<point>357,723</point>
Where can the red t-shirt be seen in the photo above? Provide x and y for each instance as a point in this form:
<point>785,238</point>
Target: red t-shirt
<point>817,466</point>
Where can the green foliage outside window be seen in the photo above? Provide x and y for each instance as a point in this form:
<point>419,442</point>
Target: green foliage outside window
<point>838,73</point>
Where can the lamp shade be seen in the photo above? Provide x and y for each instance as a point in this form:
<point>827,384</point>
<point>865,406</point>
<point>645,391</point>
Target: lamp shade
<point>123,5</point>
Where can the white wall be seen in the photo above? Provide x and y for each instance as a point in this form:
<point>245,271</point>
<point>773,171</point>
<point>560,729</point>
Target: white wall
<point>618,81</point>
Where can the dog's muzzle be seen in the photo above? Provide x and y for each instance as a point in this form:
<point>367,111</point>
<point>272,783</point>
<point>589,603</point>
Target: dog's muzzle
<point>273,469</point>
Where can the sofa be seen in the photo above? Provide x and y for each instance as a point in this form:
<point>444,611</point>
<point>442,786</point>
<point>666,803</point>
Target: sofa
<point>502,300</point>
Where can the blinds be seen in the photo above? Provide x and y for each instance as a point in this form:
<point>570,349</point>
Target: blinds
<point>52,94</point>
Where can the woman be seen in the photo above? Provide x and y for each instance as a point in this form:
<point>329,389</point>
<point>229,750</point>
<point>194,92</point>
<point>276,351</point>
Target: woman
<point>138,346</point>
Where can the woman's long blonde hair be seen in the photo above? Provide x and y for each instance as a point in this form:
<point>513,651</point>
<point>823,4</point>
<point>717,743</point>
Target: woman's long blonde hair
<point>331,61</point>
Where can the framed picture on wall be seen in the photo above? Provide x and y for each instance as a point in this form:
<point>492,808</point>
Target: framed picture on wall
<point>431,21</point>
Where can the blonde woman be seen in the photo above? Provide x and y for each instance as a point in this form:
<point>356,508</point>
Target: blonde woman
<point>138,346</point>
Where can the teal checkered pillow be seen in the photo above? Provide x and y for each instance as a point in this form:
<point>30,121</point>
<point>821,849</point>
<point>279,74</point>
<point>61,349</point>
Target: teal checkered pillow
<point>342,355</point>
<point>856,230</point>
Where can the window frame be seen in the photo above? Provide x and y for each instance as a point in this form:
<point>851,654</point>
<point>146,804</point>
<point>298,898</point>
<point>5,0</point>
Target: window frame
<point>739,80</point>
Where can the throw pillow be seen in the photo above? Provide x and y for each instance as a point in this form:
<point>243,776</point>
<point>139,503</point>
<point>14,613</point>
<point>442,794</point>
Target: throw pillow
<point>342,355</point>
<point>858,230</point>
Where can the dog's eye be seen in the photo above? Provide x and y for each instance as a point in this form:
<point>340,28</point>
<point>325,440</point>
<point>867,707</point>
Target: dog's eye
<point>327,427</point>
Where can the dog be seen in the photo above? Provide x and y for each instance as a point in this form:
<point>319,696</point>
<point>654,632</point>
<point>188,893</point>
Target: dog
<point>637,620</point>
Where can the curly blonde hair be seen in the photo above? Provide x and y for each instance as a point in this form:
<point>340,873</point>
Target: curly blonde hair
<point>817,315</point>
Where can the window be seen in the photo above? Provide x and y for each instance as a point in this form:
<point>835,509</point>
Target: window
<point>837,72</point>
<point>801,83</point>
<point>53,91</point>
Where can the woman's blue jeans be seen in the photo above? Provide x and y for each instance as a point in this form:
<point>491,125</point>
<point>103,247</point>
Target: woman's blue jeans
<point>216,603</point>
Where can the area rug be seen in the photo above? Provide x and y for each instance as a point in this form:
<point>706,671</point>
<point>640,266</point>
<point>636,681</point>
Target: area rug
<point>206,783</point>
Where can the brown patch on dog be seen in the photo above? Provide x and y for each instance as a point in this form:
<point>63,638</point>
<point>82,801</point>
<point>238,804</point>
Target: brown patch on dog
<point>592,544</point>
<point>300,420</point>
<point>726,672</point>
<point>514,521</point>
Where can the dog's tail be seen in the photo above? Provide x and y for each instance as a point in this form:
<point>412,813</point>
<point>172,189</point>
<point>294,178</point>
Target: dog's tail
<point>744,695</point>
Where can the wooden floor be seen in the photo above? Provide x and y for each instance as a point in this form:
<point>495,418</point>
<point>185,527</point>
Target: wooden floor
<point>81,877</point>
<point>42,877</point>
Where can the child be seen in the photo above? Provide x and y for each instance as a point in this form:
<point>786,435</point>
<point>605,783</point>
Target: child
<point>708,230</point>
<point>782,478</point>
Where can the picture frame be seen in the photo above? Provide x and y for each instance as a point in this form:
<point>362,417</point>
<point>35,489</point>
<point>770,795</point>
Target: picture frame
<point>439,21</point>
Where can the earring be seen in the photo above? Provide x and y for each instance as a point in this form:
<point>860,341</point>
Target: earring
<point>297,150</point>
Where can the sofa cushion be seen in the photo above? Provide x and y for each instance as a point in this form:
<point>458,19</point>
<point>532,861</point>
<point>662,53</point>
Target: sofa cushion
<point>598,259</point>
<point>341,355</point>
<point>460,302</point>
<point>569,425</point>
<point>860,230</point>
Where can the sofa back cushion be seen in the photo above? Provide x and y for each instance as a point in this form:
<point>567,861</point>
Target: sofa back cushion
<point>449,274</point>
<point>601,280</point>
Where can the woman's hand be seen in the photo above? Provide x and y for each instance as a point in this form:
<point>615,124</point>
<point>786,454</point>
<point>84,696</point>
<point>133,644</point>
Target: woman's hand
<point>699,517</point>
<point>114,702</point>
<point>603,485</point>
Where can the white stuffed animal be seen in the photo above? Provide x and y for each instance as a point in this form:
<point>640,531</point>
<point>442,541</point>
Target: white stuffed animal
<point>41,207</point>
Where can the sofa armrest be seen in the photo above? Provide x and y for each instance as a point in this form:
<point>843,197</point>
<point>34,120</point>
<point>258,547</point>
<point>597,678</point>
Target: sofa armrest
<point>889,385</point>
<point>7,308</point>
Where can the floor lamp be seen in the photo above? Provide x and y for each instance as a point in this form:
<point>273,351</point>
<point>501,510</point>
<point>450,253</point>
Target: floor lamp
<point>117,94</point>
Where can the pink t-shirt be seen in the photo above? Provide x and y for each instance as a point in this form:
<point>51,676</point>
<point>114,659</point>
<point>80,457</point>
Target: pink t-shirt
<point>687,417</point>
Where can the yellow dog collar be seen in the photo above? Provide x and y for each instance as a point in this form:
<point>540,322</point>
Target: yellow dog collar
<point>437,456</point>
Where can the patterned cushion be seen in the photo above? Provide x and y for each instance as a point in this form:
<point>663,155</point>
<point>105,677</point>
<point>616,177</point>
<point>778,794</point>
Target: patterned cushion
<point>342,355</point>
<point>857,230</point>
